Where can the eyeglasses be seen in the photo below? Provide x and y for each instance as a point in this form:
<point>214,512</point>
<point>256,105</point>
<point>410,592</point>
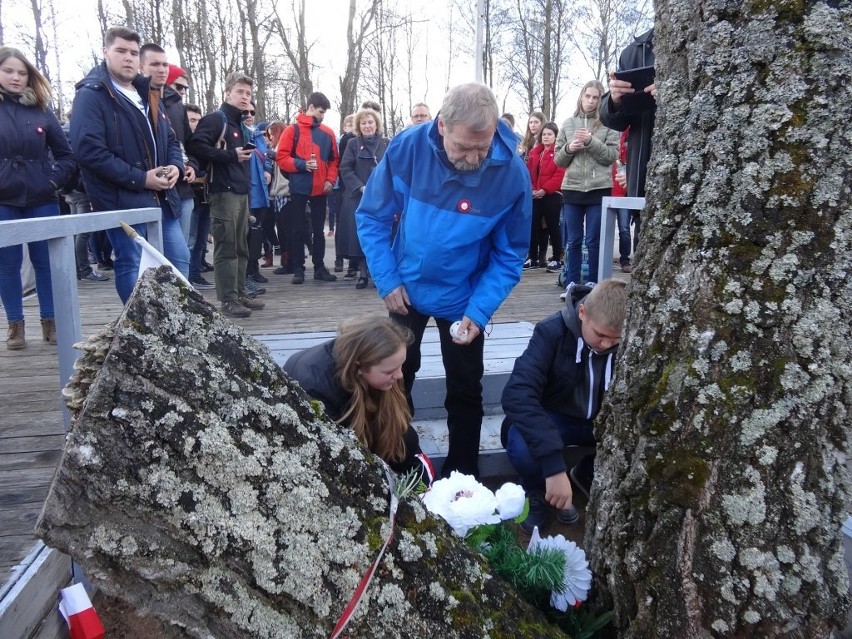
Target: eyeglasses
<point>251,112</point>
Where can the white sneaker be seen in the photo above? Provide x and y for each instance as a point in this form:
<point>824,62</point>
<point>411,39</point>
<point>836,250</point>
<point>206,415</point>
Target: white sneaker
<point>563,295</point>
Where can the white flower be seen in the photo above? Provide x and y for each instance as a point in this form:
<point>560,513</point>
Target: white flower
<point>577,579</point>
<point>462,501</point>
<point>510,500</point>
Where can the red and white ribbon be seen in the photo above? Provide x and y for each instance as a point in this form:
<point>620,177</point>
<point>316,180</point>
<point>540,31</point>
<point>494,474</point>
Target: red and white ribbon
<point>349,611</point>
<point>83,622</point>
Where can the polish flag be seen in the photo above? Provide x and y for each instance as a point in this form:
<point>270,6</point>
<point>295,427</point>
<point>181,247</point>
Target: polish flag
<point>83,622</point>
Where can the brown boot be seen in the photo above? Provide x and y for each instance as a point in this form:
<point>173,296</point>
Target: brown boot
<point>267,260</point>
<point>48,329</point>
<point>15,341</point>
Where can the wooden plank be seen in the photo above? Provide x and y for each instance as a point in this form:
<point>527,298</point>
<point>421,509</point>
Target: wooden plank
<point>34,595</point>
<point>19,520</point>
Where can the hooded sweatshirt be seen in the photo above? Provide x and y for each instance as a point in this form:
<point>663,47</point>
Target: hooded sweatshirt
<point>558,372</point>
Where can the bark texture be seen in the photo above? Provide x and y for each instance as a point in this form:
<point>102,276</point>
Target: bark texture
<point>199,484</point>
<point>724,442</point>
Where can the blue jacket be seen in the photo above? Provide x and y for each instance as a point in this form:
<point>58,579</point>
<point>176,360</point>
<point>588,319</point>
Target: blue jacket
<point>28,176</point>
<point>260,164</point>
<point>462,237</point>
<point>114,147</point>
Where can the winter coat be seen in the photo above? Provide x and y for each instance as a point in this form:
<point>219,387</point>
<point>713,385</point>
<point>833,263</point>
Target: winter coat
<point>314,369</point>
<point>637,55</point>
<point>587,169</point>
<point>176,112</point>
<point>314,138</point>
<point>28,174</point>
<point>462,237</point>
<point>260,165</point>
<point>543,170</point>
<point>225,173</point>
<point>112,141</point>
<point>557,372</point>
<point>357,164</point>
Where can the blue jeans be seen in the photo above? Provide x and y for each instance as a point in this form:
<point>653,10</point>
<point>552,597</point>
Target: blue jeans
<point>574,216</point>
<point>186,207</point>
<point>199,230</point>
<point>128,253</point>
<point>574,432</point>
<point>623,235</point>
<point>11,258</point>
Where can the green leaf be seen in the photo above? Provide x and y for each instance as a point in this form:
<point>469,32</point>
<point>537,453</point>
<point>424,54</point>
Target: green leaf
<point>524,512</point>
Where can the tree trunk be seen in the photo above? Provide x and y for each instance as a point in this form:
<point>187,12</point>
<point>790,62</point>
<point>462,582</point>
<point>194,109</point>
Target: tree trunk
<point>200,484</point>
<point>722,456</point>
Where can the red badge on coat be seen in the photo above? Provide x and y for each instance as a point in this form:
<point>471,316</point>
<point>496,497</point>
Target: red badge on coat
<point>463,206</point>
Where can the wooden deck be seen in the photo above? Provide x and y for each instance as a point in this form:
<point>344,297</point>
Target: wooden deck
<point>31,428</point>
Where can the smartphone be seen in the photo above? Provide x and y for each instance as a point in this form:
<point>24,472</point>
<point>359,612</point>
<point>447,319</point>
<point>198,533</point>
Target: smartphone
<point>249,146</point>
<point>639,78</point>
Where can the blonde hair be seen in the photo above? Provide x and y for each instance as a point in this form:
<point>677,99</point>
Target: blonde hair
<point>379,419</point>
<point>591,84</point>
<point>607,303</point>
<point>364,113</point>
<point>35,80</point>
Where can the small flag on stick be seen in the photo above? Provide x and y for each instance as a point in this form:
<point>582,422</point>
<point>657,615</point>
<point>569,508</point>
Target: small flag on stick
<point>83,622</point>
<point>151,257</point>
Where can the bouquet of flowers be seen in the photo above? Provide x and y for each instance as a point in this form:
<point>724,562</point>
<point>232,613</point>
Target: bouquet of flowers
<point>552,572</point>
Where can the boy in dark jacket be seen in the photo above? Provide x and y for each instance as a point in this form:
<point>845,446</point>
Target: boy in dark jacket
<point>554,393</point>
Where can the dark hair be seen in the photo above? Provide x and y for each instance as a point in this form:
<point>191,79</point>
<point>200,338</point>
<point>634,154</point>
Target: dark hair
<point>150,48</point>
<point>372,104</point>
<point>194,108</point>
<point>550,126</point>
<point>113,33</point>
<point>318,100</point>
<point>509,118</point>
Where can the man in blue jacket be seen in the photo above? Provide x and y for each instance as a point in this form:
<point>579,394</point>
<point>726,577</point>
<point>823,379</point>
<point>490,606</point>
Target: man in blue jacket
<point>128,154</point>
<point>465,202</point>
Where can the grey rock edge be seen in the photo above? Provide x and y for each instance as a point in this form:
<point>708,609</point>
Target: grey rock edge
<point>202,486</point>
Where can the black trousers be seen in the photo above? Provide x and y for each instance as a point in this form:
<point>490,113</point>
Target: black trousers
<point>296,209</point>
<point>547,208</point>
<point>255,238</point>
<point>463,368</point>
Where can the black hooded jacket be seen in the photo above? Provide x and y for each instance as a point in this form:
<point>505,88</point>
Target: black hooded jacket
<point>638,54</point>
<point>557,372</point>
<point>314,369</point>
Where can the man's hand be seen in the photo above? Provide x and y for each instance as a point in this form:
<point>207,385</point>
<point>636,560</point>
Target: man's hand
<point>618,89</point>
<point>268,176</point>
<point>156,182</point>
<point>652,89</point>
<point>397,301</point>
<point>188,173</point>
<point>311,165</point>
<point>172,175</point>
<point>243,155</point>
<point>326,189</point>
<point>558,491</point>
<point>469,329</point>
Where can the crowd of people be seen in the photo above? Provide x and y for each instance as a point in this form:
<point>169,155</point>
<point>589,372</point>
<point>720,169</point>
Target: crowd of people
<point>443,219</point>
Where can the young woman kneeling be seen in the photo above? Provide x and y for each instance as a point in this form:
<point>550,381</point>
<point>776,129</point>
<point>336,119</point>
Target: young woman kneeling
<point>358,377</point>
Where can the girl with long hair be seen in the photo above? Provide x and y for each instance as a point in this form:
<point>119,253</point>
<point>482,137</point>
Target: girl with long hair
<point>587,150</point>
<point>534,124</point>
<point>35,162</point>
<point>358,377</point>
<point>547,198</point>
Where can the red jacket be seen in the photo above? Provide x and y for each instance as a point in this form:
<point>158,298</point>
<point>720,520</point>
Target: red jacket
<point>314,138</point>
<point>617,190</point>
<point>543,170</point>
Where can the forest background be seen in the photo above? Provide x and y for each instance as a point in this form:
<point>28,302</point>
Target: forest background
<point>536,53</point>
